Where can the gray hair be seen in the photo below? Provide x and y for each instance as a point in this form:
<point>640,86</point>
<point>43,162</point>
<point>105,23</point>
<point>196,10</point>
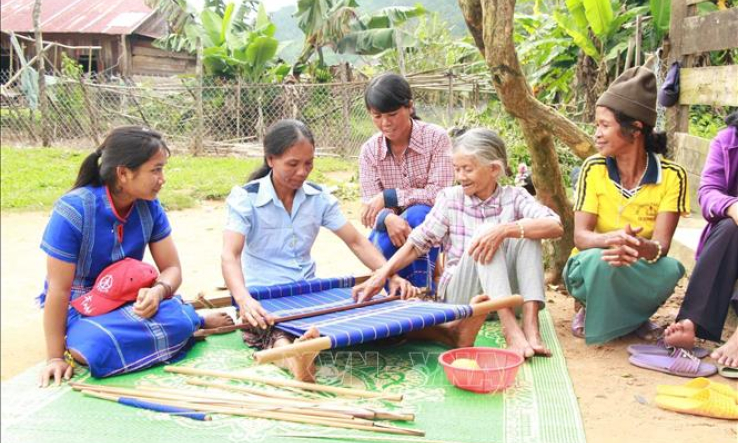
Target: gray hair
<point>485,145</point>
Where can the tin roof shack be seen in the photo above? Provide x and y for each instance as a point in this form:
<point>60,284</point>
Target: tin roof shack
<point>123,29</point>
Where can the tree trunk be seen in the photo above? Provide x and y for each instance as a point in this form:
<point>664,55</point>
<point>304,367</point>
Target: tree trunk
<point>491,24</point>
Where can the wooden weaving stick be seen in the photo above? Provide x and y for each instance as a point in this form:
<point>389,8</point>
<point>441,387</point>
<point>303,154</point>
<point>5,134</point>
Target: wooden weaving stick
<point>315,345</point>
<point>231,328</point>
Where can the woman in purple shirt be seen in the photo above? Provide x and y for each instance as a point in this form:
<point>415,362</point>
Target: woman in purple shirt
<point>712,287</point>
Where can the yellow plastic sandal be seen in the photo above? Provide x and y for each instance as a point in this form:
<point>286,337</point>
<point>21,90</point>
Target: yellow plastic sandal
<point>692,387</point>
<point>706,403</point>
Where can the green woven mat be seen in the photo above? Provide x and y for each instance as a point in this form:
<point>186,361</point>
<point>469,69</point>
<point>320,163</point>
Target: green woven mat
<point>541,407</point>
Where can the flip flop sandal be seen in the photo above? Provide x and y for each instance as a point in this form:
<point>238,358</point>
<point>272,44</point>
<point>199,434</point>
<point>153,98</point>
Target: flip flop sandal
<point>706,403</point>
<point>693,387</point>
<point>682,364</point>
<point>728,372</point>
<point>661,348</point>
<point>577,323</point>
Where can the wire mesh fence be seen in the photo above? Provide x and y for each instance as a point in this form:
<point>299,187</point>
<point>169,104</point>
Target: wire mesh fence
<point>213,117</point>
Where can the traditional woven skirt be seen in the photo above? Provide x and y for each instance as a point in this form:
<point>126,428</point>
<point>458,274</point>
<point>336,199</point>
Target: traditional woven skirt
<point>121,341</point>
<point>618,299</point>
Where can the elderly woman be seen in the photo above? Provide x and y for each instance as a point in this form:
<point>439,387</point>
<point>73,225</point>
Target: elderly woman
<point>711,291</point>
<point>492,237</point>
<point>628,203</point>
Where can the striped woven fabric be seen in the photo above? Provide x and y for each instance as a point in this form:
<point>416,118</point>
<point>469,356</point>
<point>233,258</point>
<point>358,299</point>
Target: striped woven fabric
<point>355,326</point>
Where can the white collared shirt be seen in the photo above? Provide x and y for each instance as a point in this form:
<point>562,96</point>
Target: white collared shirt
<point>277,245</point>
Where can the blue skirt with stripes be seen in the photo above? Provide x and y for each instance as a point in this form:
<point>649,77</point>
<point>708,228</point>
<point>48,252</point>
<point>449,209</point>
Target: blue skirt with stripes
<point>120,341</point>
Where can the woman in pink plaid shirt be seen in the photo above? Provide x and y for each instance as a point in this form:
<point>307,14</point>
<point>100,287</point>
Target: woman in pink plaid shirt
<point>492,238</point>
<point>401,170</point>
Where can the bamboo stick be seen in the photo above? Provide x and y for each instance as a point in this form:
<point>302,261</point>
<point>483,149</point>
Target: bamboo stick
<point>325,405</point>
<point>365,438</point>
<point>254,391</point>
<point>150,406</point>
<point>290,417</point>
<point>164,398</point>
<point>277,382</point>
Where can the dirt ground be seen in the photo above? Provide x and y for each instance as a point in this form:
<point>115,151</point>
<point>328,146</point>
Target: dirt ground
<point>615,398</point>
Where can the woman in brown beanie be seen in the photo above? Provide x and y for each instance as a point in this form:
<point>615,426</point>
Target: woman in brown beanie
<point>628,203</point>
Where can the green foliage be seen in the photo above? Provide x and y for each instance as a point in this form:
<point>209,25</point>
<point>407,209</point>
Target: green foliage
<point>706,121</point>
<point>34,178</point>
<point>547,57</point>
<point>661,13</point>
<point>435,48</point>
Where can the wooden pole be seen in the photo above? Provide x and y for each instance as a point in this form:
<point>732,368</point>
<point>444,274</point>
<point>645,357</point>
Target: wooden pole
<point>281,382</point>
<point>450,98</point>
<point>638,38</point>
<point>238,107</point>
<point>199,114</point>
<point>42,98</point>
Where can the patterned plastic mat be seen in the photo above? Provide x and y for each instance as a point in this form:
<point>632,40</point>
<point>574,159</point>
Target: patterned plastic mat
<point>540,407</point>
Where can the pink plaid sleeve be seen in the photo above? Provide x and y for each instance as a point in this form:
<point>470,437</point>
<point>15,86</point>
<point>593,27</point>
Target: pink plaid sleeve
<point>370,182</point>
<point>440,174</point>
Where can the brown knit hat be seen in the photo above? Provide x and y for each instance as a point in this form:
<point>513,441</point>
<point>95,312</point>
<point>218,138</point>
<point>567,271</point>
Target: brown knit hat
<point>633,94</point>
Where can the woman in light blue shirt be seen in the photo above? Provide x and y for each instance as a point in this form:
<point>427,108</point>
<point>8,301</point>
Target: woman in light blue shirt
<point>272,224</point>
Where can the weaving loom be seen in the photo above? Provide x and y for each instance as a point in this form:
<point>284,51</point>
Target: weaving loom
<point>354,326</point>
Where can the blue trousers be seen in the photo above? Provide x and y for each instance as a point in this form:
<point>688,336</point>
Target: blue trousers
<point>420,272</point>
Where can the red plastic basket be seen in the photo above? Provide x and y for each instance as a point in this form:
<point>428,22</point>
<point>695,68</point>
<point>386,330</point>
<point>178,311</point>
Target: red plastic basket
<point>498,368</point>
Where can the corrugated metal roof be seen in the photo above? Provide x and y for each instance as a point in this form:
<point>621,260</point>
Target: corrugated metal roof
<point>116,17</point>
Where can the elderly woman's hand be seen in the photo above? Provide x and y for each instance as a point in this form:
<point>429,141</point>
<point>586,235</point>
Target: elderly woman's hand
<point>398,285</point>
<point>484,246</point>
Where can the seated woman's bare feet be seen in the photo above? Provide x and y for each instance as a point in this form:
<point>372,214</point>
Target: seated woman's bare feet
<point>216,320</point>
<point>531,330</point>
<point>302,366</point>
<point>463,333</point>
<point>680,334</point>
<point>517,343</point>
<point>727,354</point>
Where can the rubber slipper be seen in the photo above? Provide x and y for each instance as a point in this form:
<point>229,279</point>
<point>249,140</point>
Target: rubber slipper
<point>693,387</point>
<point>577,323</point>
<point>660,348</point>
<point>649,331</point>
<point>706,403</point>
<point>683,364</point>
<point>728,372</point>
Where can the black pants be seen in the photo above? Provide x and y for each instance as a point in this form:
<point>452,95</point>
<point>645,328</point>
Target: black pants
<point>711,286</point>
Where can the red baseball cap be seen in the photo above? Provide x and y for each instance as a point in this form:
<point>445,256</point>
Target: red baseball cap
<point>116,285</point>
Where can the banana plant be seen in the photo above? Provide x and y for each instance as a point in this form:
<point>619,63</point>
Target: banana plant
<point>337,24</point>
<point>228,52</point>
<point>183,19</point>
<point>595,28</point>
